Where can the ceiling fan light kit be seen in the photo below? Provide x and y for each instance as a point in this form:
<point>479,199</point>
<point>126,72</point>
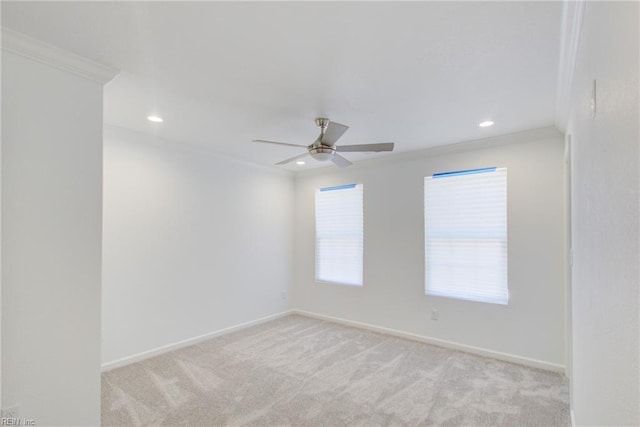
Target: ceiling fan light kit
<point>322,153</point>
<point>324,148</point>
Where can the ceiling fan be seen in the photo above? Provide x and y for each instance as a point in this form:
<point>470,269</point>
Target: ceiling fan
<point>324,148</point>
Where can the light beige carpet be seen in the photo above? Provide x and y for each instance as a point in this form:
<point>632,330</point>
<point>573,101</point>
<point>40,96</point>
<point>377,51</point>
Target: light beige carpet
<point>298,371</point>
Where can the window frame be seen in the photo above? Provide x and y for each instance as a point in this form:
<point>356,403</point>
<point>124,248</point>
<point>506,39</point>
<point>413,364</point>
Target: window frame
<point>481,246</point>
<point>353,275</point>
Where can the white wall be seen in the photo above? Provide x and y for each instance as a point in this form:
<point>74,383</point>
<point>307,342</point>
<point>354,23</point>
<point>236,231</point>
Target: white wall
<point>51,242</point>
<point>1,406</point>
<point>605,213</point>
<point>193,243</point>
<point>531,326</point>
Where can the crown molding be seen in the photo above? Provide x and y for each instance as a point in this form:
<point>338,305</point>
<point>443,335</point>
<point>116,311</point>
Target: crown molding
<point>530,135</point>
<point>571,31</point>
<point>28,47</point>
<point>115,132</point>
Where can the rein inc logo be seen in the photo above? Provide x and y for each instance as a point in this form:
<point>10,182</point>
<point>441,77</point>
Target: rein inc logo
<point>6,421</point>
<point>11,417</point>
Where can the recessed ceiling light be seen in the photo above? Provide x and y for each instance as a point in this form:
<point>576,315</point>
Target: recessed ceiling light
<point>300,162</point>
<point>155,119</point>
<point>485,124</point>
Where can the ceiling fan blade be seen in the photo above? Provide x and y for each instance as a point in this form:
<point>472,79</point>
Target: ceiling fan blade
<point>291,159</point>
<point>333,132</point>
<point>279,143</point>
<point>383,146</point>
<point>340,161</point>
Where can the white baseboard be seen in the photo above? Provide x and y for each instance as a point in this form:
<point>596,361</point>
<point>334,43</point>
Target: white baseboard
<point>539,364</point>
<point>186,343</point>
<point>408,335</point>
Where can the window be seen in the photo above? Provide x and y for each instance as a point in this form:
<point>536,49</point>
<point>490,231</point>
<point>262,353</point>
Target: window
<point>339,234</point>
<point>466,235</point>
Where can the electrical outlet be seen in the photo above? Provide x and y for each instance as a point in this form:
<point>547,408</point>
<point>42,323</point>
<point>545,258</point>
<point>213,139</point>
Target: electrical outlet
<point>283,295</point>
<point>435,314</point>
<point>12,412</point>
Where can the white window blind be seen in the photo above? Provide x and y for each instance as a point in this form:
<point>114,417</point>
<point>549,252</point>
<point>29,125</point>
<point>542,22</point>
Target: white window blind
<point>466,235</point>
<point>339,234</point>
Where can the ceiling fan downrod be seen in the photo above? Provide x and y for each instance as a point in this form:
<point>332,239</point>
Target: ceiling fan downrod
<point>318,150</point>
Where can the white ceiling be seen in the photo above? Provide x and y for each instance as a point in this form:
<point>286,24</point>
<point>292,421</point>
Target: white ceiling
<point>420,74</point>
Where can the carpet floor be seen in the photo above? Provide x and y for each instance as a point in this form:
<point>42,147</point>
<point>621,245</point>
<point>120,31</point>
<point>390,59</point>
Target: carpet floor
<point>299,371</point>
